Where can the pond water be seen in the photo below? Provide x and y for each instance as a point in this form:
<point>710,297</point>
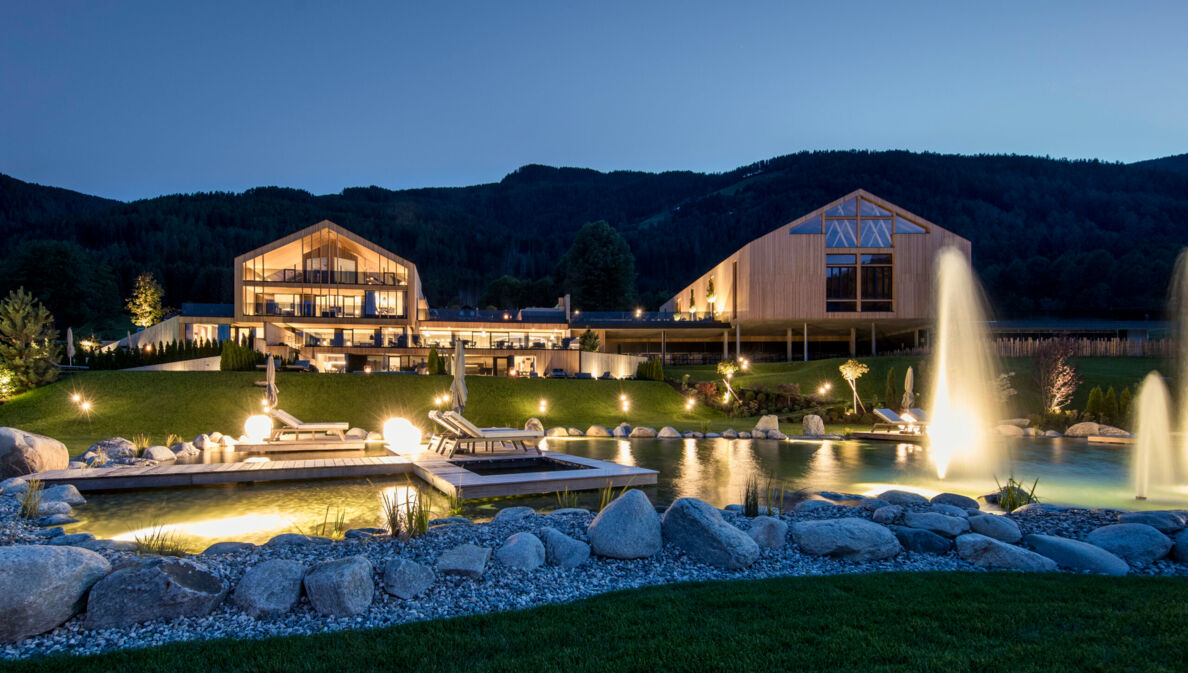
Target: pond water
<point>716,470</point>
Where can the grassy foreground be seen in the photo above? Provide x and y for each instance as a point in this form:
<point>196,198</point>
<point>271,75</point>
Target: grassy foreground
<point>879,622</point>
<point>187,403</point>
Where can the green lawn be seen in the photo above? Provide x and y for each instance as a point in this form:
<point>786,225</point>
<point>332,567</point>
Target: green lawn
<point>948,622</point>
<point>1104,372</point>
<point>187,403</point>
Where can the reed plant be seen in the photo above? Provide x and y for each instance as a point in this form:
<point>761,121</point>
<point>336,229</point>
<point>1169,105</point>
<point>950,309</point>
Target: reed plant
<point>416,516</point>
<point>607,495</point>
<point>333,527</point>
<point>173,438</point>
<point>159,540</point>
<point>142,441</point>
<point>31,499</point>
<point>566,499</point>
<point>454,505</point>
<point>751,496</point>
<point>1014,494</point>
<point>776,491</point>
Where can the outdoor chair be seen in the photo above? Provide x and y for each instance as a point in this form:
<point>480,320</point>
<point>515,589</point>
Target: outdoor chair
<point>292,425</point>
<point>894,423</point>
<point>463,435</point>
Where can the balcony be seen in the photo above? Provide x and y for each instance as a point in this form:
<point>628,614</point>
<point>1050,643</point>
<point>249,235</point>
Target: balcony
<point>315,277</point>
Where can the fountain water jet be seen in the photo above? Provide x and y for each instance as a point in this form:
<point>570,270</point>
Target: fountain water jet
<point>1151,458</point>
<point>1178,309</point>
<point>964,408</point>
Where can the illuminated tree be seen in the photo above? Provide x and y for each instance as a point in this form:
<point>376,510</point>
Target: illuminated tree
<point>145,302</point>
<point>851,371</point>
<point>589,341</point>
<point>1057,379</point>
<point>28,341</point>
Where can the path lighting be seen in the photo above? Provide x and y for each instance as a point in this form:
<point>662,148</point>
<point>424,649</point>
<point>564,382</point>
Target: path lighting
<point>85,406</point>
<point>257,428</point>
<point>367,369</point>
<point>726,398</point>
<point>821,390</point>
<point>544,405</point>
<point>76,398</point>
<point>401,435</point>
<point>689,403</point>
<point>638,312</point>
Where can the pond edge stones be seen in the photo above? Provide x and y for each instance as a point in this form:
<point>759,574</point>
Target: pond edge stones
<point>153,588</point>
<point>407,579</point>
<point>628,528</point>
<point>342,587</point>
<point>562,550</point>
<point>522,550</point>
<point>269,588</point>
<point>44,587</point>
<point>466,560</point>
<point>698,528</point>
<point>1135,543</point>
<point>1077,555</point>
<point>996,555</point>
<point>851,538</point>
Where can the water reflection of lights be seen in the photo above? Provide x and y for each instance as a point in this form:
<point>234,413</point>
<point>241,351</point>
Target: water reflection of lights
<point>872,490</point>
<point>221,528</point>
<point>400,497</point>
<point>623,453</point>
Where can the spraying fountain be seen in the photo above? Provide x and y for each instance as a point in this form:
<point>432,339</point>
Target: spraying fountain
<point>1151,457</point>
<point>964,409</point>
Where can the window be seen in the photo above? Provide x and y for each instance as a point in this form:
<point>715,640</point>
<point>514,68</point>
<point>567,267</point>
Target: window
<point>876,233</point>
<point>905,226</point>
<point>841,283</point>
<point>876,283</point>
<point>847,208</point>
<point>870,209</point>
<point>841,233</point>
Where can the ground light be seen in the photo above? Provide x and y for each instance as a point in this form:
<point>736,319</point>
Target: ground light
<point>401,435</point>
<point>543,406</point>
<point>257,428</point>
<point>76,398</point>
<point>689,402</point>
<point>625,403</point>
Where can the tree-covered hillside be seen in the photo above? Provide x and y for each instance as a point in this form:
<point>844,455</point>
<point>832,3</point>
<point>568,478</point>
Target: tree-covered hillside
<point>1050,237</point>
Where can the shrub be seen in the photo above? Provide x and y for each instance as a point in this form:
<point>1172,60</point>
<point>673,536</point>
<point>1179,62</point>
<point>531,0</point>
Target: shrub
<point>239,356</point>
<point>1014,495</point>
<point>7,384</point>
<point>31,499</point>
<point>1109,406</point>
<point>1093,407</point>
<point>650,370</point>
<point>1124,403</point>
<point>28,342</point>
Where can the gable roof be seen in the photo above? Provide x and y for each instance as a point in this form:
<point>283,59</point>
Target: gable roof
<point>320,226</point>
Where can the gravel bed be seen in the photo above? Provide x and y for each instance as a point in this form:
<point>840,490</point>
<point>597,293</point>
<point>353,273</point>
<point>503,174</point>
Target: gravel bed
<point>500,588</point>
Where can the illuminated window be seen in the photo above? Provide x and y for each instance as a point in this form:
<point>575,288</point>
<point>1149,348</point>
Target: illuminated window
<point>841,283</point>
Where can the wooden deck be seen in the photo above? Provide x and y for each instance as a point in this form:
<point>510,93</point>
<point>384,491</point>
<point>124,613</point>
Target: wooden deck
<point>449,476</point>
<point>1111,439</point>
<point>905,437</point>
<point>201,474</point>
<point>294,446</point>
<point>452,478</point>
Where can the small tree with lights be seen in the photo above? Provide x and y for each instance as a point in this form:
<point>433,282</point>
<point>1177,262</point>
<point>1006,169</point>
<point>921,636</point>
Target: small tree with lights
<point>589,341</point>
<point>851,371</point>
<point>145,302</point>
<point>28,342</point>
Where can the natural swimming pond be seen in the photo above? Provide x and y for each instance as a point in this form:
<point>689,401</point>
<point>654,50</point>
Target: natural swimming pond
<point>716,470</point>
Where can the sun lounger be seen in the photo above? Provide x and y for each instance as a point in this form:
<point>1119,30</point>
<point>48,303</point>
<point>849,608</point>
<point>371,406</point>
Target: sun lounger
<point>919,415</point>
<point>462,434</point>
<point>895,423</point>
<point>290,424</point>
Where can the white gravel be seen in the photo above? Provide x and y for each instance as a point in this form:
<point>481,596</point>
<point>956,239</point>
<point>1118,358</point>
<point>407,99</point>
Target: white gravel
<point>500,589</point>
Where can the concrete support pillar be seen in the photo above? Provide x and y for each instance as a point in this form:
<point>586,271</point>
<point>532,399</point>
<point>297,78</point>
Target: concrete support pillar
<point>663,347</point>
<point>874,350</point>
<point>917,333</point>
<point>737,341</point>
<point>806,342</point>
<point>725,344</point>
<point>853,341</point>
<point>788,339</point>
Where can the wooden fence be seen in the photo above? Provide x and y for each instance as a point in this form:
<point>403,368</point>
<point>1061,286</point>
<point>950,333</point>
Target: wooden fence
<point>1114,347</point>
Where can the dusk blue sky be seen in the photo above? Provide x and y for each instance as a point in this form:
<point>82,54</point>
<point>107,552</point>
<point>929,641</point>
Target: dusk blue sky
<point>132,100</point>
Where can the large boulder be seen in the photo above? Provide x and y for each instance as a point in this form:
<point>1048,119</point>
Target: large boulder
<point>185,450</point>
<point>627,528</point>
<point>161,454</point>
<point>922,541</point>
<point>1009,430</point>
<point>465,560</point>
<point>524,551</point>
<point>533,424</point>
<point>768,532</point>
<point>115,448</point>
<point>729,433</point>
<point>270,588</point>
<point>1180,551</point>
<point>642,433</point>
<point>1135,543</point>
<point>227,547</point>
<point>562,550</point>
<point>956,500</point>
<point>1162,521</point>
<point>153,588</point>
<point>668,432</point>
<point>296,540</point>
<point>597,431</point>
<point>767,423</point>
<point>511,514</point>
<point>995,555</point>
<point>575,432</point>
<point>998,527</point>
<point>66,493</point>
<point>698,528</point>
<point>949,510</point>
<point>1083,429</point>
<point>902,498</point>
<point>557,432</point>
<point>887,514</point>
<point>776,434</point>
<point>622,430</point>
<point>25,453</point>
<point>407,579</point>
<point>813,426</point>
<point>941,524</point>
<point>340,588</point>
<point>851,539</point>
<point>1077,555</point>
<point>43,587</point>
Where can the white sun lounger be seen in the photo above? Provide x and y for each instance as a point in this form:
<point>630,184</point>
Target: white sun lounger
<point>290,423</point>
<point>463,434</point>
<point>894,423</point>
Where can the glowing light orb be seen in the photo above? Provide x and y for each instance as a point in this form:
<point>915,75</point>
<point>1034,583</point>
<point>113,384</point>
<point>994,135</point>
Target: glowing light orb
<point>257,428</point>
<point>76,398</point>
<point>86,406</point>
<point>401,435</point>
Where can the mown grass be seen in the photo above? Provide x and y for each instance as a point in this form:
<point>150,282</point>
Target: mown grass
<point>187,403</point>
<point>950,622</point>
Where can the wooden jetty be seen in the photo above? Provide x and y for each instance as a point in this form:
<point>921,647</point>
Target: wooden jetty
<point>449,476</point>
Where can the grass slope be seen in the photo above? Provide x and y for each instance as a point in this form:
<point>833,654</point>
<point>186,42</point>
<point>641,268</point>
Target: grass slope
<point>947,622</point>
<point>1104,372</point>
<point>187,403</point>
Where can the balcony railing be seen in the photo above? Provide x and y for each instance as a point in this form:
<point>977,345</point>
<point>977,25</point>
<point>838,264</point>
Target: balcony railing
<point>309,311</point>
<point>314,277</point>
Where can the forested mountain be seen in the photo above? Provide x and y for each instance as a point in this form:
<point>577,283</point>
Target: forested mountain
<point>1177,163</point>
<point>1050,237</point>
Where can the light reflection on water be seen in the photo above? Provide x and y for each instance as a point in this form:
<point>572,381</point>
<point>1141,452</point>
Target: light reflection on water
<point>714,470</point>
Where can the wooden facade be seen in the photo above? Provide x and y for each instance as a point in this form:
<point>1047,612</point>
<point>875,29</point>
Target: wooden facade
<point>779,279</point>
